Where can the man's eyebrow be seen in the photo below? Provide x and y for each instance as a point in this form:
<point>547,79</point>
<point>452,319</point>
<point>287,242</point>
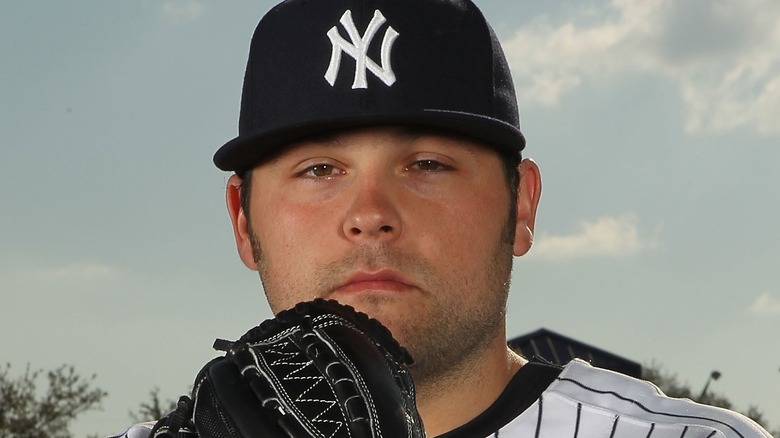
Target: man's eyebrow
<point>322,139</point>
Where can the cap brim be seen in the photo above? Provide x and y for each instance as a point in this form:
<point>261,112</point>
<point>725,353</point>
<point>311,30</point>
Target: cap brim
<point>246,151</point>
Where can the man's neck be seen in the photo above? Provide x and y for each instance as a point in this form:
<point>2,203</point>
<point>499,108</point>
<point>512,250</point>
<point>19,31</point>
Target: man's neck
<point>461,396</point>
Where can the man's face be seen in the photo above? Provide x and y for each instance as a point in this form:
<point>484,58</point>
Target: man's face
<point>407,226</point>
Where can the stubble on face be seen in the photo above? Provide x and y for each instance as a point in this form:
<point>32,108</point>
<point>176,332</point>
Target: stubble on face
<point>457,319</point>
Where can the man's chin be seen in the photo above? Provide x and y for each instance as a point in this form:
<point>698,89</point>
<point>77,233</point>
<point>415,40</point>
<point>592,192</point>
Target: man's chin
<point>372,303</point>
<point>385,309</point>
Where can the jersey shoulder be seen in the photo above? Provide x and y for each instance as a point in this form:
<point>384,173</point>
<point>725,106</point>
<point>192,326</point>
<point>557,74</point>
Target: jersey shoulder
<point>141,430</point>
<point>592,402</point>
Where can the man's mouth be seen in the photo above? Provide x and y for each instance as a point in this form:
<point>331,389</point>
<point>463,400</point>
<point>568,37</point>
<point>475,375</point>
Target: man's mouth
<point>379,281</point>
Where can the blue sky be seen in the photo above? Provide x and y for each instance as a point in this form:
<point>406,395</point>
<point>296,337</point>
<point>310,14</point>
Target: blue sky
<point>654,123</point>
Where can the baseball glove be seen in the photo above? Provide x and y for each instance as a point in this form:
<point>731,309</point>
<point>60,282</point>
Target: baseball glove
<point>320,369</point>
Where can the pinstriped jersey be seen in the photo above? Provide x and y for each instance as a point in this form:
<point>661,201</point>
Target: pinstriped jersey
<point>588,402</point>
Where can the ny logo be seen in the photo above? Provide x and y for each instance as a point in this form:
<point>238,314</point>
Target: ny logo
<point>358,50</point>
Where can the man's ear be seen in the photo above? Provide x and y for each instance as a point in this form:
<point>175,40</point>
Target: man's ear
<point>239,220</point>
<point>529,192</point>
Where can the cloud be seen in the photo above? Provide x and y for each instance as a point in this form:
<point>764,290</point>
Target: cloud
<point>765,304</point>
<point>182,11</point>
<point>723,56</point>
<point>81,270</point>
<point>605,237</point>
<point>75,273</point>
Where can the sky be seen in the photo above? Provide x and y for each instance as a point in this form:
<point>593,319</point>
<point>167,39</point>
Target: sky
<point>654,123</point>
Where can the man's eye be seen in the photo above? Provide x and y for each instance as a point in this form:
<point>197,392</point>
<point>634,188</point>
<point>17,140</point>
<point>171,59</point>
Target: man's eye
<point>429,166</point>
<point>320,171</point>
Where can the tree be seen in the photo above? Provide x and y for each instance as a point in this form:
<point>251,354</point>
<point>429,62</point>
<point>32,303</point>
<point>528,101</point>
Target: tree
<point>154,409</point>
<point>669,384</point>
<point>26,412</point>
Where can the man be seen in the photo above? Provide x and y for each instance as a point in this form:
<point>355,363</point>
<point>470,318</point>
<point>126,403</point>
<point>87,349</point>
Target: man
<point>378,164</point>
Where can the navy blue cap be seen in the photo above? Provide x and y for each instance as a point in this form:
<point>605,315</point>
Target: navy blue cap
<point>321,65</point>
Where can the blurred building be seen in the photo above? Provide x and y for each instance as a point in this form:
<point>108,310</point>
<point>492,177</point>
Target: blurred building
<point>560,349</point>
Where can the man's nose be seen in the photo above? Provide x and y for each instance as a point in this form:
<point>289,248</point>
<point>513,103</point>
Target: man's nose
<point>372,214</point>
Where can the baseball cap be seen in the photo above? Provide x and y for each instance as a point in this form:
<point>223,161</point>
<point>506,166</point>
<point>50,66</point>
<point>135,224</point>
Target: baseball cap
<point>321,65</point>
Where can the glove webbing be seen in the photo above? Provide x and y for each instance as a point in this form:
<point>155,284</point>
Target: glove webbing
<point>313,346</point>
<point>178,423</point>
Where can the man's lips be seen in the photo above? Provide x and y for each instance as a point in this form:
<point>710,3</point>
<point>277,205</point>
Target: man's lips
<point>385,281</point>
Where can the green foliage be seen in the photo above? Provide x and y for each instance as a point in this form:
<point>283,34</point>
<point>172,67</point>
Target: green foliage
<point>671,386</point>
<point>26,412</point>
